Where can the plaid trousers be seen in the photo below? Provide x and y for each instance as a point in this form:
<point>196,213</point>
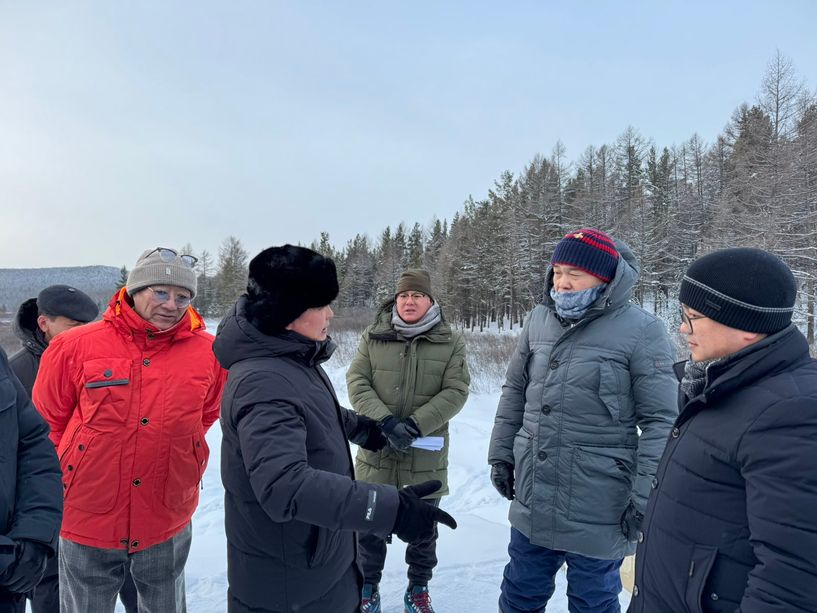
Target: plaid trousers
<point>91,578</point>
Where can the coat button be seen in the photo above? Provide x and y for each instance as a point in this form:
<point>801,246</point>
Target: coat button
<point>107,374</point>
<point>70,467</point>
<point>546,409</point>
<point>123,541</point>
<point>137,482</point>
<point>144,421</point>
<point>146,362</point>
<point>543,455</point>
<point>81,447</point>
<point>635,590</point>
<point>676,433</point>
<point>554,365</point>
<point>713,596</point>
<point>135,544</point>
<point>654,482</point>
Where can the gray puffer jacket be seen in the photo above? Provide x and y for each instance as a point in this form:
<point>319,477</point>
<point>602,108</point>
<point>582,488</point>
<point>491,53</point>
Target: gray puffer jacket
<point>567,418</point>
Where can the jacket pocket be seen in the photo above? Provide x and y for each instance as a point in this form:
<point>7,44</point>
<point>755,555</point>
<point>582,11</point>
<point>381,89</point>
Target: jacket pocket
<point>90,471</point>
<point>187,462</point>
<point>106,393</point>
<point>700,565</point>
<point>610,389</point>
<point>600,483</point>
<point>326,542</point>
<point>523,466</point>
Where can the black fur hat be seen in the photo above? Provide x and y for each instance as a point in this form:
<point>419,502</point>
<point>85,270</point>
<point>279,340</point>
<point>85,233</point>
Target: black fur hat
<point>286,281</point>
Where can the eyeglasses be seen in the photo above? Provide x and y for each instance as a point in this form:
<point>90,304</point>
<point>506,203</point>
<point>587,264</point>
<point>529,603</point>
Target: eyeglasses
<point>168,255</point>
<point>403,296</point>
<point>688,319</point>
<point>160,296</point>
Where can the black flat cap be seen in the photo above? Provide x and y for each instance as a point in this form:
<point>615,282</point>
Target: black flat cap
<point>67,301</point>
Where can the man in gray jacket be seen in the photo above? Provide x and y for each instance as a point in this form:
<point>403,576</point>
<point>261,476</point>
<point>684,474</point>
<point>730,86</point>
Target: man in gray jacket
<point>589,371</point>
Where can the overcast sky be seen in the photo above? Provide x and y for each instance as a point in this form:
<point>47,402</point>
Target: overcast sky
<point>129,125</point>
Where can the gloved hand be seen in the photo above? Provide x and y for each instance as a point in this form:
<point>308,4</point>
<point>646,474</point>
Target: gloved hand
<point>631,523</point>
<point>368,434</point>
<point>401,434</point>
<point>502,478</point>
<point>415,517</point>
<point>28,567</point>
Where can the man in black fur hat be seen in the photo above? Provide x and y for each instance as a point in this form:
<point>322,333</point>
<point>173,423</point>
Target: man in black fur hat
<point>291,504</point>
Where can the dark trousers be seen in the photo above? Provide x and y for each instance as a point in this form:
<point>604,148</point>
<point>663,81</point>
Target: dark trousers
<point>421,556</point>
<point>529,579</point>
<point>46,596</point>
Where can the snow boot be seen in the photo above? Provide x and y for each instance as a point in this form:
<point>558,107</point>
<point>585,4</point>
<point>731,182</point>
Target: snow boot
<point>417,600</point>
<point>370,599</point>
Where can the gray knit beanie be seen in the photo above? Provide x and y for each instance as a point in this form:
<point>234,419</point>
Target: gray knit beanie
<point>151,269</point>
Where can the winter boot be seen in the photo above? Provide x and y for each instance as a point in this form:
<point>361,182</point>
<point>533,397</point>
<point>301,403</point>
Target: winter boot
<point>417,600</point>
<point>370,599</point>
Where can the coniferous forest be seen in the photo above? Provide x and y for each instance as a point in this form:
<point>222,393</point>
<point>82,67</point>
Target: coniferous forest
<point>754,185</point>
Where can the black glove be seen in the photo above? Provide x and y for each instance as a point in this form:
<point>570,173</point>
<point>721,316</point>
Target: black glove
<point>401,434</point>
<point>28,567</point>
<point>631,523</point>
<point>502,478</point>
<point>368,434</point>
<point>416,518</point>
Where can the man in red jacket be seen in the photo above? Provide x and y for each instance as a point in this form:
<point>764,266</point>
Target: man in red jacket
<point>129,400</point>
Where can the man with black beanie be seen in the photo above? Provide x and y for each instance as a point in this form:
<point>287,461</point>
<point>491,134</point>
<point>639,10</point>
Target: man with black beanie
<point>731,523</point>
<point>291,503</point>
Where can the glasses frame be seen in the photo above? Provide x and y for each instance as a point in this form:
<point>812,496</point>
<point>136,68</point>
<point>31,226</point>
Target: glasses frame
<point>413,295</point>
<point>169,255</point>
<point>187,300</point>
<point>688,319</point>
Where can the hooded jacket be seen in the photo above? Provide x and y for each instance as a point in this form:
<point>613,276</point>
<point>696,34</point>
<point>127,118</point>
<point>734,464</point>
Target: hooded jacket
<point>291,504</point>
<point>26,362</point>
<point>731,523</point>
<point>30,488</point>
<point>128,407</point>
<point>567,418</point>
<point>425,378</point>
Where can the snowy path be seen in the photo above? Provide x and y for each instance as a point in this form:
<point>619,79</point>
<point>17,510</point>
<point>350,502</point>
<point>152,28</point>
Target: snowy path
<point>471,558</point>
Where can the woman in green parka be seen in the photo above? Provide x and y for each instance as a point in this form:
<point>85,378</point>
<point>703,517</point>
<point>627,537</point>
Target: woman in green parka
<point>410,375</point>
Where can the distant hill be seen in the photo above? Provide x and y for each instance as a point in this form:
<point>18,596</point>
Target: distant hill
<point>19,284</point>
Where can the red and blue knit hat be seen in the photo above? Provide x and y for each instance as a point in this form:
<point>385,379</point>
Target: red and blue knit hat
<point>589,249</point>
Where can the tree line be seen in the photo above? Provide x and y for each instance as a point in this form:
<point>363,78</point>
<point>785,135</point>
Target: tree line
<point>755,185</point>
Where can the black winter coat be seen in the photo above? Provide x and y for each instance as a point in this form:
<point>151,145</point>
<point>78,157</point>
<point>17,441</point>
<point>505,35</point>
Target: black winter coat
<point>731,524</point>
<point>26,362</point>
<point>30,476</point>
<point>291,504</point>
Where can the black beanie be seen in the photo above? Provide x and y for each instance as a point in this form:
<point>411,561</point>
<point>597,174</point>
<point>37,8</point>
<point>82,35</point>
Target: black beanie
<point>743,288</point>
<point>284,282</point>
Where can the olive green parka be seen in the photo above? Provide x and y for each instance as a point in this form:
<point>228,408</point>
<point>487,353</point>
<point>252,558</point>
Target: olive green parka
<point>426,378</point>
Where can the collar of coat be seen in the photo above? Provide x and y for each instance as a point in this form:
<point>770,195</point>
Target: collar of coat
<point>121,314</point>
<point>382,330</point>
<point>26,329</point>
<point>774,354</point>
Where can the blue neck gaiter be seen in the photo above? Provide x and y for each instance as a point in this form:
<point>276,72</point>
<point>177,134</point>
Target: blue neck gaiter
<point>573,305</point>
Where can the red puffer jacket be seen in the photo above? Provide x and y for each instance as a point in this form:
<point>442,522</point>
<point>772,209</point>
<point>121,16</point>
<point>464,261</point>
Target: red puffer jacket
<point>128,407</point>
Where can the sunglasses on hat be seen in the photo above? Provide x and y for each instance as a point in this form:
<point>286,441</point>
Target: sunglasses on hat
<point>169,255</point>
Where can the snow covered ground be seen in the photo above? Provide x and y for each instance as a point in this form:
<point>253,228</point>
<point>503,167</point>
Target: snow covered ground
<point>471,557</point>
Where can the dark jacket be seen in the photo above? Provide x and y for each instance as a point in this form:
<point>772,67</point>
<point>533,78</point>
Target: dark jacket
<point>573,401</point>
<point>30,477</point>
<point>26,362</point>
<point>731,524</point>
<point>291,504</point>
<point>426,378</point>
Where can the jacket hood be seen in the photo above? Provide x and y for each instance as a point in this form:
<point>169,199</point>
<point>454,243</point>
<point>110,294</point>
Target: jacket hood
<point>619,291</point>
<point>26,329</point>
<point>237,339</point>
